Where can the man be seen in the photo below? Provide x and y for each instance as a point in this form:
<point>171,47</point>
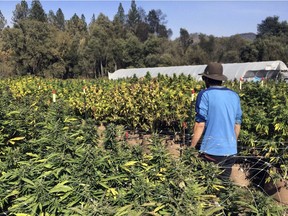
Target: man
<point>218,118</point>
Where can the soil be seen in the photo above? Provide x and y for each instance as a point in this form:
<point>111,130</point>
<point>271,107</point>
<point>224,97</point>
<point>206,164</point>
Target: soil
<point>172,143</point>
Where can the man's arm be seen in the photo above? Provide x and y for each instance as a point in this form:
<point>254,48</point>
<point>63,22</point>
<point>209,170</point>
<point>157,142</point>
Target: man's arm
<point>237,129</point>
<point>198,131</point>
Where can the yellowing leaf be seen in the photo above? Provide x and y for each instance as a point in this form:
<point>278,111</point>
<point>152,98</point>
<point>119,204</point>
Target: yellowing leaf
<point>13,113</point>
<point>17,138</point>
<point>32,155</point>
<point>182,184</point>
<point>217,187</point>
<point>130,163</point>
<point>158,208</point>
<point>113,191</point>
<point>149,204</point>
<point>70,119</point>
<point>12,141</point>
<point>12,193</point>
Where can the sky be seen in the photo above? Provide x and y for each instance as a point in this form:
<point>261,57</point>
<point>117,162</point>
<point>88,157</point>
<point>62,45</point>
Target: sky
<point>218,18</point>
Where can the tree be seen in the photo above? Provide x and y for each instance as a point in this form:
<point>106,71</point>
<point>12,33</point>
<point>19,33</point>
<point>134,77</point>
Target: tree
<point>120,15</point>
<point>51,17</point>
<point>197,56</point>
<point>3,21</point>
<point>119,22</point>
<point>83,18</point>
<point>76,26</point>
<point>156,21</point>
<point>152,51</point>
<point>98,52</point>
<point>118,53</point>
<point>269,26</point>
<point>57,20</point>
<point>14,41</point>
<point>134,17</point>
<point>93,19</point>
<point>142,31</point>
<point>32,45</point>
<point>21,12</point>
<point>248,53</point>
<point>60,19</point>
<point>272,48</point>
<point>185,40</point>
<point>133,54</point>
<point>153,21</point>
<point>37,12</point>
<point>207,43</point>
<point>272,38</point>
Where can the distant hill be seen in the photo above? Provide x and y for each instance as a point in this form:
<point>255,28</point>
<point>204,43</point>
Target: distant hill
<point>248,36</point>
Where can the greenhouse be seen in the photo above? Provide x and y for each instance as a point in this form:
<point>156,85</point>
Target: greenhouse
<point>249,71</point>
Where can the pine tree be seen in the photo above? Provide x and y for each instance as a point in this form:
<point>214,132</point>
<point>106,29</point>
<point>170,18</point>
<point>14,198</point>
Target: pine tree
<point>120,16</point>
<point>93,19</point>
<point>3,21</point>
<point>51,17</point>
<point>60,19</point>
<point>21,12</point>
<point>133,17</point>
<point>37,12</point>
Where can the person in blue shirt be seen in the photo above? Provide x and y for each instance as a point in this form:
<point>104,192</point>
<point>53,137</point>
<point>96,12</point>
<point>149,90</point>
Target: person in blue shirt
<point>217,120</point>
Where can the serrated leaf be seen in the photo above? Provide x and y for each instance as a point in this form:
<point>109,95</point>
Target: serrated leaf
<point>25,199</point>
<point>77,210</point>
<point>61,187</point>
<point>213,210</point>
<point>45,174</point>
<point>123,210</point>
<point>12,193</point>
<point>28,181</point>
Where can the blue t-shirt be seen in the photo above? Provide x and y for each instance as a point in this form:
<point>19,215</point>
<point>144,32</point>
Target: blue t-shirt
<point>220,109</point>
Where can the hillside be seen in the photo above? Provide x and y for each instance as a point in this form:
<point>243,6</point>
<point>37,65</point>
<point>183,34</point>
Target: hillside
<point>249,36</point>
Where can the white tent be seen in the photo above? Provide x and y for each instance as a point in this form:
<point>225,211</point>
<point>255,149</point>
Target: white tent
<point>232,71</point>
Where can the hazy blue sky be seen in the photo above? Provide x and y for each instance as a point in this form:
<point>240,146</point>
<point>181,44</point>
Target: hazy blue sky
<point>219,18</point>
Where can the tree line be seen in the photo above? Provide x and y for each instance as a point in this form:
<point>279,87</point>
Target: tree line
<point>48,45</point>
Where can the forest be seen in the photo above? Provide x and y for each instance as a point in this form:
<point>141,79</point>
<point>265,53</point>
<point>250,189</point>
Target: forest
<point>46,44</point>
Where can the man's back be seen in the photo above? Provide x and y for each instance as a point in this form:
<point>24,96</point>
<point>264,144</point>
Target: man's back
<point>219,107</point>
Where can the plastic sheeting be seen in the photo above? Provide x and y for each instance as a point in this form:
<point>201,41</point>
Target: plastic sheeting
<point>232,71</point>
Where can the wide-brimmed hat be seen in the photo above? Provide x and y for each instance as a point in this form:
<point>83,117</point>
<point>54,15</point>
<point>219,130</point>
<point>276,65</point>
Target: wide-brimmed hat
<point>214,71</point>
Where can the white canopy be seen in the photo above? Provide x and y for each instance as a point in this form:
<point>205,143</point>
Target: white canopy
<point>232,71</point>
